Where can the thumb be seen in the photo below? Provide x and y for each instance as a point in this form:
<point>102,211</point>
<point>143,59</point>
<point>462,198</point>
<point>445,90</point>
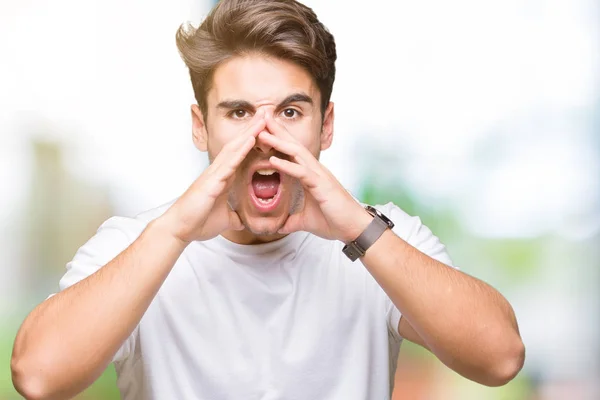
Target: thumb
<point>235,222</point>
<point>292,224</point>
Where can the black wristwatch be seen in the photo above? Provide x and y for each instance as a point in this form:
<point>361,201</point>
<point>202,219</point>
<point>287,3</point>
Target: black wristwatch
<point>358,247</point>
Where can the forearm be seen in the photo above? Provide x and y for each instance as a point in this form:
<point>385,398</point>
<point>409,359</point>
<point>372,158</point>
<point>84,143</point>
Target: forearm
<point>69,339</point>
<point>466,323</point>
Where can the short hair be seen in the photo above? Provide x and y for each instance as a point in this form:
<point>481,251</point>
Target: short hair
<point>284,29</point>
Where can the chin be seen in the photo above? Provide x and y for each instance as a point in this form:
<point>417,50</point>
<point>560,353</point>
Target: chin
<point>263,226</point>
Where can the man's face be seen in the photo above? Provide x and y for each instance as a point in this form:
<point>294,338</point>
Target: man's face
<point>241,87</point>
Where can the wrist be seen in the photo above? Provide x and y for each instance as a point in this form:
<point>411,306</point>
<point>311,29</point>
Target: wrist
<point>361,222</point>
<point>379,223</point>
<point>167,226</point>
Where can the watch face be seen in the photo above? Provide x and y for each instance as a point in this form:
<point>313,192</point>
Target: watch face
<point>376,212</point>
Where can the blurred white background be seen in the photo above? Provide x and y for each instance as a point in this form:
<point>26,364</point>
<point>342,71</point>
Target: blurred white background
<point>489,111</point>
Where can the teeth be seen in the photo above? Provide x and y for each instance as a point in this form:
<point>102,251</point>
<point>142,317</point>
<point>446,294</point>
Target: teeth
<point>266,171</point>
<point>265,201</point>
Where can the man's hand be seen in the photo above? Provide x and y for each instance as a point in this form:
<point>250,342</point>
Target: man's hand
<point>329,211</point>
<point>100,312</point>
<point>202,212</point>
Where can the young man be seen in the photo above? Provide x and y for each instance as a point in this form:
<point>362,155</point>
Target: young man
<point>248,285</point>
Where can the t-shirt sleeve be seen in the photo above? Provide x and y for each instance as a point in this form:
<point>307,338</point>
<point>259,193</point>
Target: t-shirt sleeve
<point>412,230</point>
<point>113,236</point>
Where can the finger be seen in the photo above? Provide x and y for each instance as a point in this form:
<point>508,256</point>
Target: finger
<point>234,152</point>
<point>278,130</point>
<point>224,168</point>
<point>253,131</point>
<point>236,158</point>
<point>224,171</point>
<point>291,149</point>
<point>257,125</point>
<point>301,172</point>
<point>235,222</point>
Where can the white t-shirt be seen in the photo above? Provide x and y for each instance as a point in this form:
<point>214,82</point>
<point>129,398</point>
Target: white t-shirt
<point>293,319</point>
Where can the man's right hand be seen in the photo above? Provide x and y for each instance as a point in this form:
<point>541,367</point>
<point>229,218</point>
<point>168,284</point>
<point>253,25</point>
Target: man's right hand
<point>202,212</point>
<point>98,313</point>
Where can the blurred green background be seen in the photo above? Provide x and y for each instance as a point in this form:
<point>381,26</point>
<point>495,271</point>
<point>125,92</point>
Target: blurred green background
<point>482,118</point>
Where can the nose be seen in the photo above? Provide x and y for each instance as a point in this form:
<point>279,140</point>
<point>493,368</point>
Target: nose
<point>262,147</point>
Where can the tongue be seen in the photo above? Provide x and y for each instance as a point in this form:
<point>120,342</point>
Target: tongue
<point>265,186</point>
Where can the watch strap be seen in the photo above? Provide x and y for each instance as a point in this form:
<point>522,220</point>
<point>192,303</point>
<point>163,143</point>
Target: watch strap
<point>371,234</point>
<point>358,247</point>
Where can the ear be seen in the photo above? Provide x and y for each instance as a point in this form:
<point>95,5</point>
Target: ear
<point>199,133</point>
<point>327,129</point>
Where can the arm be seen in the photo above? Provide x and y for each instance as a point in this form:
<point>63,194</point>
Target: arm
<point>69,339</point>
<point>96,315</point>
<point>466,323</point>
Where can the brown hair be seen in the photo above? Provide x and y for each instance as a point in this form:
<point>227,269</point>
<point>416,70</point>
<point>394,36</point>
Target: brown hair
<point>284,29</point>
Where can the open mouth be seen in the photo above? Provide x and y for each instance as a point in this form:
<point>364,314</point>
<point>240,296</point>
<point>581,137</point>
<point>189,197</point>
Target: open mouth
<point>265,188</point>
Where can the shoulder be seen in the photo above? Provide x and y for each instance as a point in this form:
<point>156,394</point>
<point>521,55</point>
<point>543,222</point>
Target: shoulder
<point>129,228</point>
<point>111,238</point>
<point>412,230</point>
<point>147,216</point>
<point>406,226</point>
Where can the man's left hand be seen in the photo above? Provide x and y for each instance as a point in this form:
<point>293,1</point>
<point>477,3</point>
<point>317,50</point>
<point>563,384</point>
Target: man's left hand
<point>329,210</point>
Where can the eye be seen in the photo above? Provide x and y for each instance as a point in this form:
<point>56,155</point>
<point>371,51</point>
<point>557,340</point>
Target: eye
<point>291,113</point>
<point>238,114</point>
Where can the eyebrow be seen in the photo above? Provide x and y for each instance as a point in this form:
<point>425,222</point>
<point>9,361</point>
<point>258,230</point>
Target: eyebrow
<point>245,105</point>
